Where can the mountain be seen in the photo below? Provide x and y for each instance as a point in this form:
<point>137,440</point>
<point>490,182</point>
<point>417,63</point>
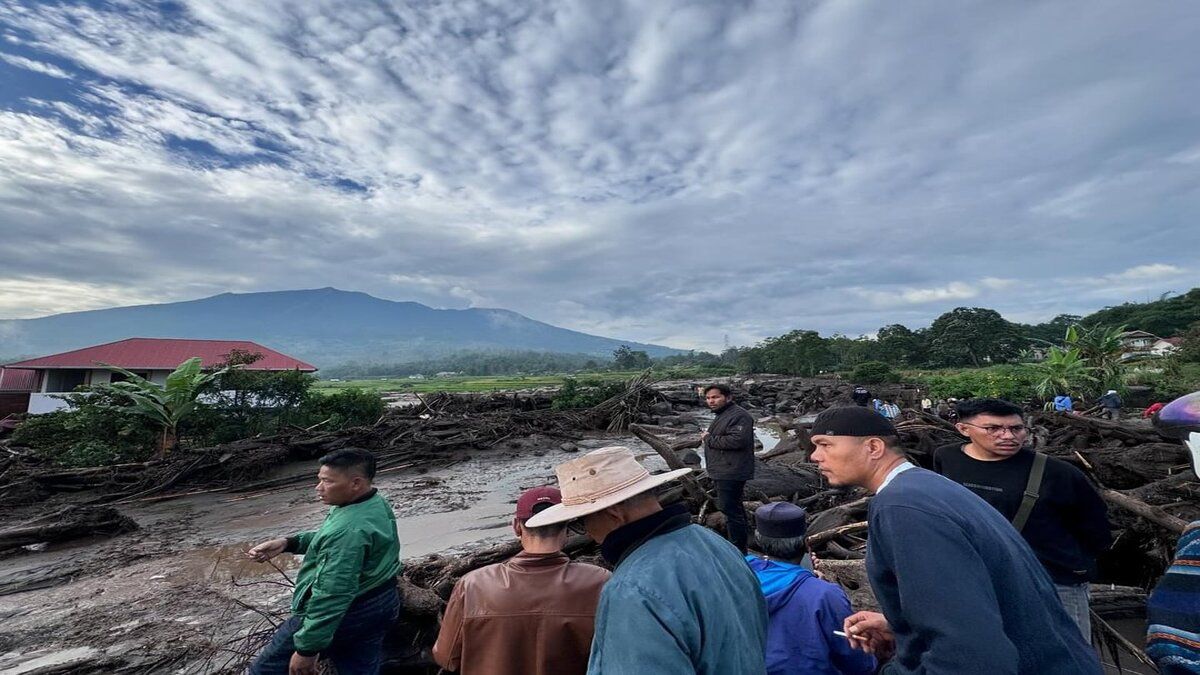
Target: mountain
<point>324,326</point>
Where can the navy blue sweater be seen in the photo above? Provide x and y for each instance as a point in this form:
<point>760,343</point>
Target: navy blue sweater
<point>961,589</point>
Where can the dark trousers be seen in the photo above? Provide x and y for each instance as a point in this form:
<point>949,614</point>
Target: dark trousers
<point>729,501</point>
<point>357,647</point>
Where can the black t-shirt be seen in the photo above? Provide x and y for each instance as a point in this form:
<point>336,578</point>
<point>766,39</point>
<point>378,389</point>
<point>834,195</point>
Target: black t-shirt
<point>1068,527</point>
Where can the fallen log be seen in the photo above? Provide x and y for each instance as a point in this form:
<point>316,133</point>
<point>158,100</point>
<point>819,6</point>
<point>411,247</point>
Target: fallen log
<point>816,540</point>
<point>668,454</point>
<point>72,522</point>
<point>1152,513</point>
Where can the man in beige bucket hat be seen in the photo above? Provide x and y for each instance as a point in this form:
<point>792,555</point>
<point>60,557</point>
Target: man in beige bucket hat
<point>681,598</point>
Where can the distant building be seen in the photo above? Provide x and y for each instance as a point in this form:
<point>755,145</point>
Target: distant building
<point>418,376</point>
<point>152,358</point>
<point>447,373</point>
<point>1140,344</point>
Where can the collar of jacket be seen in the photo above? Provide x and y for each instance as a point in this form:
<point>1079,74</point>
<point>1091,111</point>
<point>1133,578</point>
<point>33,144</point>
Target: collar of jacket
<point>362,498</point>
<point>626,539</point>
<point>525,560</point>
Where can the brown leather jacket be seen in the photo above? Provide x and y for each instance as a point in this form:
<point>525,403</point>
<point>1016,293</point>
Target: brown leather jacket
<point>531,615</point>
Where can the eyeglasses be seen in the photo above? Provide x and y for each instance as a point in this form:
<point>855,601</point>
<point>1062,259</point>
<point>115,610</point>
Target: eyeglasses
<point>997,430</point>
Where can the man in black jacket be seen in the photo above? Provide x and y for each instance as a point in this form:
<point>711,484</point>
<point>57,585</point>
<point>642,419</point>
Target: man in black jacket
<point>729,458</point>
<point>1066,524</point>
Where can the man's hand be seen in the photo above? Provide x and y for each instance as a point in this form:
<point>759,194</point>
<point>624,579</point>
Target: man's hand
<point>870,632</point>
<point>302,665</point>
<point>267,550</point>
<point>703,436</point>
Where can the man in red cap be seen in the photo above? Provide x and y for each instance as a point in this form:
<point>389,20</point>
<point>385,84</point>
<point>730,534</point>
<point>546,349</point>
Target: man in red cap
<point>533,614</point>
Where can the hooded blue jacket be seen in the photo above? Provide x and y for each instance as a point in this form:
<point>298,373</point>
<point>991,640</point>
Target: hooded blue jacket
<point>803,611</point>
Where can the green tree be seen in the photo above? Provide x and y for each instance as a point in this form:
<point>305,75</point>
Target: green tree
<point>898,345</point>
<point>1063,371</point>
<point>1101,348</point>
<point>972,336</point>
<point>625,358</point>
<point>166,405</point>
<point>800,352</point>
<point>873,372</point>
<point>1189,351</point>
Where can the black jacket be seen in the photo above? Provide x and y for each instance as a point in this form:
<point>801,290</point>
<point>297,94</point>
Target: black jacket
<point>729,448</point>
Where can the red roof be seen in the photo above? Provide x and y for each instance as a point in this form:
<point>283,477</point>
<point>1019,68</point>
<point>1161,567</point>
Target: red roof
<point>13,379</point>
<point>164,354</point>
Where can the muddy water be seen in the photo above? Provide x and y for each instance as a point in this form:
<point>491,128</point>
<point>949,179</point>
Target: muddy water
<point>173,582</point>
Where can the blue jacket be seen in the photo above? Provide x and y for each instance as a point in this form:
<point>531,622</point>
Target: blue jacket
<point>961,589</point>
<point>803,612</point>
<point>683,602</point>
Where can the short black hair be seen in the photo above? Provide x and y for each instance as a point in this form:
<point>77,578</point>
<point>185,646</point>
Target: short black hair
<point>348,459</point>
<point>721,387</point>
<point>784,548</point>
<point>974,407</point>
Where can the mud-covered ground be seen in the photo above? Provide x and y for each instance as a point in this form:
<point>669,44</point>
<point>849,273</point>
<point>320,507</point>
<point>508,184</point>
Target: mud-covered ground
<point>173,586</point>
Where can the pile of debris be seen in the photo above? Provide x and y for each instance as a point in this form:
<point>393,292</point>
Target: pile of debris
<point>437,433</point>
<point>781,394</point>
<point>1152,493</point>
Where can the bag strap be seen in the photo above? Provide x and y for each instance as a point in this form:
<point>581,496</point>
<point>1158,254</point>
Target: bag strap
<point>1031,491</point>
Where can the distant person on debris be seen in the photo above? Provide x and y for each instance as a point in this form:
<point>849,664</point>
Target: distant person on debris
<point>803,610</point>
<point>960,591</point>
<point>1051,503</point>
<point>926,405</point>
<point>1063,403</point>
<point>681,600</point>
<point>729,458</point>
<point>942,409</point>
<point>877,405</point>
<point>345,598</point>
<point>531,615</point>
<point>1110,403</point>
<point>890,410</point>
<point>1152,410</point>
<point>861,396</point>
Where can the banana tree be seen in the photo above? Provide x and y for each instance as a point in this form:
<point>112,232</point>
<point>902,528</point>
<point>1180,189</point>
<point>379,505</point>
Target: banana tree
<point>1101,348</point>
<point>1063,371</point>
<point>169,404</point>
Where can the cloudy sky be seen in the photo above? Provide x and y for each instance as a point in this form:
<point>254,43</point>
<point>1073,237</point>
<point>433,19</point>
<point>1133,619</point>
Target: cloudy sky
<point>672,172</point>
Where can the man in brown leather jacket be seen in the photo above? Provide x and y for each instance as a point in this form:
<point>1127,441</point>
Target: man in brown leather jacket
<point>531,615</point>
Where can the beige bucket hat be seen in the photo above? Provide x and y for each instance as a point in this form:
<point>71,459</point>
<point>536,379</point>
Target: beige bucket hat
<point>598,480</point>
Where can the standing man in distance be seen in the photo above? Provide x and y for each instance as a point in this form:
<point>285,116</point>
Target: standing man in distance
<point>1110,404</point>
<point>1064,519</point>
<point>533,614</point>
<point>345,598</point>
<point>729,458</point>
<point>861,396</point>
<point>960,591</point>
<point>681,601</point>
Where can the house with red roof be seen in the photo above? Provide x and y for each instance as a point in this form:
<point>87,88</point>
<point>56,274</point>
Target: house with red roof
<point>151,358</point>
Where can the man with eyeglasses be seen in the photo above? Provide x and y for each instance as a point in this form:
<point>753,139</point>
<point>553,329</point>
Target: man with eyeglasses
<point>1051,503</point>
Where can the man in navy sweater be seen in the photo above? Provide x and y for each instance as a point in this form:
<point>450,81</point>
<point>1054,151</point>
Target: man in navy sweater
<point>960,590</point>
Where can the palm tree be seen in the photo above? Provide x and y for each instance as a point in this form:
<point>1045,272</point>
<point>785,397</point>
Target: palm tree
<point>1062,371</point>
<point>167,405</point>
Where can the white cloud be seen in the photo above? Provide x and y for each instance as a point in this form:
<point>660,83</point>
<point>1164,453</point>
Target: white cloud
<point>36,66</point>
<point>656,171</point>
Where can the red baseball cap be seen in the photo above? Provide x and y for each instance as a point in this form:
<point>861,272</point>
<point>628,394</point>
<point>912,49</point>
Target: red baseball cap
<point>539,495</point>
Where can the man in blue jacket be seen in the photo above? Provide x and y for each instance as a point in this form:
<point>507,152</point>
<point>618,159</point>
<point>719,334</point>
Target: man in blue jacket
<point>803,611</point>
<point>681,600</point>
<point>960,590</point>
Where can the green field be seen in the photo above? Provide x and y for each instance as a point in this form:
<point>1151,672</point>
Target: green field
<point>468,383</point>
<point>489,383</point>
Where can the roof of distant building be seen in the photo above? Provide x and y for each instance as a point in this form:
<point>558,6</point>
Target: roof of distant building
<point>16,379</point>
<point>164,354</point>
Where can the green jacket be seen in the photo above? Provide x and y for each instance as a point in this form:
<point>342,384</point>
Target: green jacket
<point>355,551</point>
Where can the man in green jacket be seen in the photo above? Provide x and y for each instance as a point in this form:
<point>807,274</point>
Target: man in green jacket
<point>345,599</point>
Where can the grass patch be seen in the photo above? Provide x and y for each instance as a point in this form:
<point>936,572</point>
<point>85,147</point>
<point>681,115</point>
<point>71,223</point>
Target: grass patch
<point>465,384</point>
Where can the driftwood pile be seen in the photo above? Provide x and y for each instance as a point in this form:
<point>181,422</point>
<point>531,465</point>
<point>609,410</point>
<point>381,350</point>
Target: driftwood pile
<point>1148,469</point>
<point>436,433</point>
<point>780,394</point>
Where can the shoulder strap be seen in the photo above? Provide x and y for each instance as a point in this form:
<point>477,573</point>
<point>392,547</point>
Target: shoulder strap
<point>1031,490</point>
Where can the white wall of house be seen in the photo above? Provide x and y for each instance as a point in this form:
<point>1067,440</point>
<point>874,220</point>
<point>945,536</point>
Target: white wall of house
<point>45,403</point>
